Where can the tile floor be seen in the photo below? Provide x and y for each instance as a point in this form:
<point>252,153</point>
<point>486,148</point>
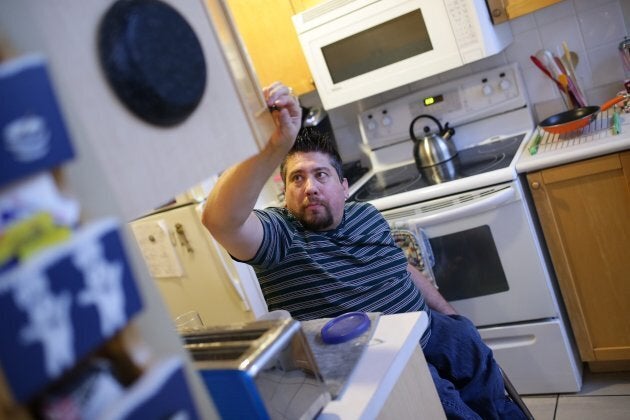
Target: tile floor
<point>604,396</point>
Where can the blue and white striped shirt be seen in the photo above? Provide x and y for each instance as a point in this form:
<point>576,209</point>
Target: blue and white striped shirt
<point>356,267</point>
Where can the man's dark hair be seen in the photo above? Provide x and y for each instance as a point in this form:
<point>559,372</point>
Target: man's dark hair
<point>310,139</point>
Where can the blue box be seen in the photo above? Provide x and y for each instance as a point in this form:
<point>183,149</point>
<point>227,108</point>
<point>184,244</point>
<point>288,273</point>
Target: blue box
<point>33,136</point>
<point>161,393</point>
<point>62,304</point>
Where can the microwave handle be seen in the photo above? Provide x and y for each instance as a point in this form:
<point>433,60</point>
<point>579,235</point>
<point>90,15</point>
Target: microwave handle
<point>491,202</point>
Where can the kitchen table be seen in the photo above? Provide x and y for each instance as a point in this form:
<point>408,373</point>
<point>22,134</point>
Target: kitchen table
<point>391,379</point>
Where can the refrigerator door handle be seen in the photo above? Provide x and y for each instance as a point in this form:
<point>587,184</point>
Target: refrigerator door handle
<point>236,283</point>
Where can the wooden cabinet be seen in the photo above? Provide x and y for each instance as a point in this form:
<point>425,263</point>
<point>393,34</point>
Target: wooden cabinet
<point>503,10</point>
<point>584,210</point>
<point>267,31</point>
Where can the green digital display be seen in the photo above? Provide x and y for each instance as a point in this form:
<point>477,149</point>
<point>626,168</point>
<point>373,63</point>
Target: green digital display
<point>432,100</point>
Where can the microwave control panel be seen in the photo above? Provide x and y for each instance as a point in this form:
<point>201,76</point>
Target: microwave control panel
<point>459,14</point>
<point>458,101</point>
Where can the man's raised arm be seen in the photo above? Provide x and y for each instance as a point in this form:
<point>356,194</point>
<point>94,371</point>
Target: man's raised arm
<point>228,211</point>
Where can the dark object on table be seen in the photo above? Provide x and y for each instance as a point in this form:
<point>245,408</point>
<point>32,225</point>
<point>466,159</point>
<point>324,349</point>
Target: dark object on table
<point>345,327</point>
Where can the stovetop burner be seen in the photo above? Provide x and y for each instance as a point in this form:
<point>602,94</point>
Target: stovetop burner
<point>482,158</point>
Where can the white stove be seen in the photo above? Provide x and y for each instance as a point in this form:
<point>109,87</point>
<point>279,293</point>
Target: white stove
<point>473,210</point>
<point>485,108</point>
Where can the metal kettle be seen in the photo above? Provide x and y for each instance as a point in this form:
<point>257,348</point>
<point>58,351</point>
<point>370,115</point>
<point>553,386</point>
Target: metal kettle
<point>432,148</point>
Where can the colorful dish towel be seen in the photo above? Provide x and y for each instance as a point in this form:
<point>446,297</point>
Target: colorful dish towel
<point>417,250</point>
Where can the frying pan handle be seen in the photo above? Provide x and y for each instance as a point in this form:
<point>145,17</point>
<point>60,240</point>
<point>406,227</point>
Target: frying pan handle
<point>612,102</point>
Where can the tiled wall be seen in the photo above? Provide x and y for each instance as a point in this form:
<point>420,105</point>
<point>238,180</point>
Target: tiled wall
<point>592,28</point>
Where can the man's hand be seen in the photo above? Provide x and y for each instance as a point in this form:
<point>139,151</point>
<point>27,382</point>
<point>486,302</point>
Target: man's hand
<point>286,112</point>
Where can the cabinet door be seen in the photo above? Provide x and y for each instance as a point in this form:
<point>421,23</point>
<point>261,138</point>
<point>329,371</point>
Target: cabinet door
<point>272,43</point>
<point>143,165</point>
<point>584,209</point>
<point>503,10</point>
<point>302,5</point>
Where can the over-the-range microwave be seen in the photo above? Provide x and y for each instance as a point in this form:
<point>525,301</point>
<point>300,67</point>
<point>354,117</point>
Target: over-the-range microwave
<point>358,48</point>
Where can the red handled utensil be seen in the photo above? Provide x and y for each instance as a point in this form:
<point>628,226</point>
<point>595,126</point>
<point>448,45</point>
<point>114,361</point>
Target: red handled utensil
<point>544,69</point>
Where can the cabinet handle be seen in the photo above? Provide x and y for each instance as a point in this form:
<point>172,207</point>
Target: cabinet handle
<point>535,185</point>
<point>179,228</point>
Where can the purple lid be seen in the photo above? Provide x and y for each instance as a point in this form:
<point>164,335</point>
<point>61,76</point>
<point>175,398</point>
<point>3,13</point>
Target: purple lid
<point>345,327</point>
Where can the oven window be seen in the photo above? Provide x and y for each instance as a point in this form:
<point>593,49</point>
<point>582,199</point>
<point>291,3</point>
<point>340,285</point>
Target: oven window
<point>467,264</point>
<point>390,42</point>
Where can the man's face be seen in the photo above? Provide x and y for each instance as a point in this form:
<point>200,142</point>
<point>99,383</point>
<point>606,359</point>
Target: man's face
<point>313,192</point>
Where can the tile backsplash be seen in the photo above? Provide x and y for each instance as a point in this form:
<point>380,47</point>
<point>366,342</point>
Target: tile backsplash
<point>591,28</point>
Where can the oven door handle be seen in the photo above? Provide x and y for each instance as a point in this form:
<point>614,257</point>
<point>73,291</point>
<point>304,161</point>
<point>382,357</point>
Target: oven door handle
<point>493,201</point>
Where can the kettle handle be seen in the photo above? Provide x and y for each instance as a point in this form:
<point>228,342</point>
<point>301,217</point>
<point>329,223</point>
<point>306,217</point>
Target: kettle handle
<point>448,132</point>
<point>412,134</point>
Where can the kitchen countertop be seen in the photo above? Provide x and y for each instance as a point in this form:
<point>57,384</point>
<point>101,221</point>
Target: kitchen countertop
<point>395,338</point>
<point>559,150</point>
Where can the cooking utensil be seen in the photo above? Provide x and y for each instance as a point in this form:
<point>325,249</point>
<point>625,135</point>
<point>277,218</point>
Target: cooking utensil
<point>542,67</point>
<point>571,59</point>
<point>432,148</point>
<point>548,60</point>
<point>577,118</point>
<point>568,83</point>
<point>538,63</point>
<point>624,52</point>
<point>442,172</point>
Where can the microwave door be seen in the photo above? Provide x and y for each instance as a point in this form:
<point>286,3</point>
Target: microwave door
<point>377,48</point>
<point>390,42</point>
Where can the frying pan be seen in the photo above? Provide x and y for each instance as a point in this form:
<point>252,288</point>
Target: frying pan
<point>577,118</point>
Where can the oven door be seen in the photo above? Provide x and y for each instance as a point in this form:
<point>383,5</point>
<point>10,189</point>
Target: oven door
<point>488,263</point>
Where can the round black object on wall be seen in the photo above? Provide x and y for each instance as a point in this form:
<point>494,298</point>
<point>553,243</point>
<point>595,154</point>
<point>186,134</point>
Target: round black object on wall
<point>152,59</point>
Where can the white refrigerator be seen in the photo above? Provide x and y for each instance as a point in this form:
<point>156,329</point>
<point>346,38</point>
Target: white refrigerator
<point>192,271</point>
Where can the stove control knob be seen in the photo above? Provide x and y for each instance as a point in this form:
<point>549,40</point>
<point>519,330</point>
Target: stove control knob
<point>505,84</point>
<point>386,120</point>
<point>487,90</point>
<point>371,124</point>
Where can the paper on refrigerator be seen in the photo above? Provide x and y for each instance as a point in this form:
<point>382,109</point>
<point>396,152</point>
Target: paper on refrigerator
<point>157,249</point>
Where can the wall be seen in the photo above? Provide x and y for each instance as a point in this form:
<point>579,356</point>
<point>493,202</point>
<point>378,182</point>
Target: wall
<point>592,28</point>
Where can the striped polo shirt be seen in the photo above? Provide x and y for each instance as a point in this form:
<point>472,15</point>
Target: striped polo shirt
<point>355,267</point>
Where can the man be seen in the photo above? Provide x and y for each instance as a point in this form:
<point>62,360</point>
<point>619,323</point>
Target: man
<point>321,257</point>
